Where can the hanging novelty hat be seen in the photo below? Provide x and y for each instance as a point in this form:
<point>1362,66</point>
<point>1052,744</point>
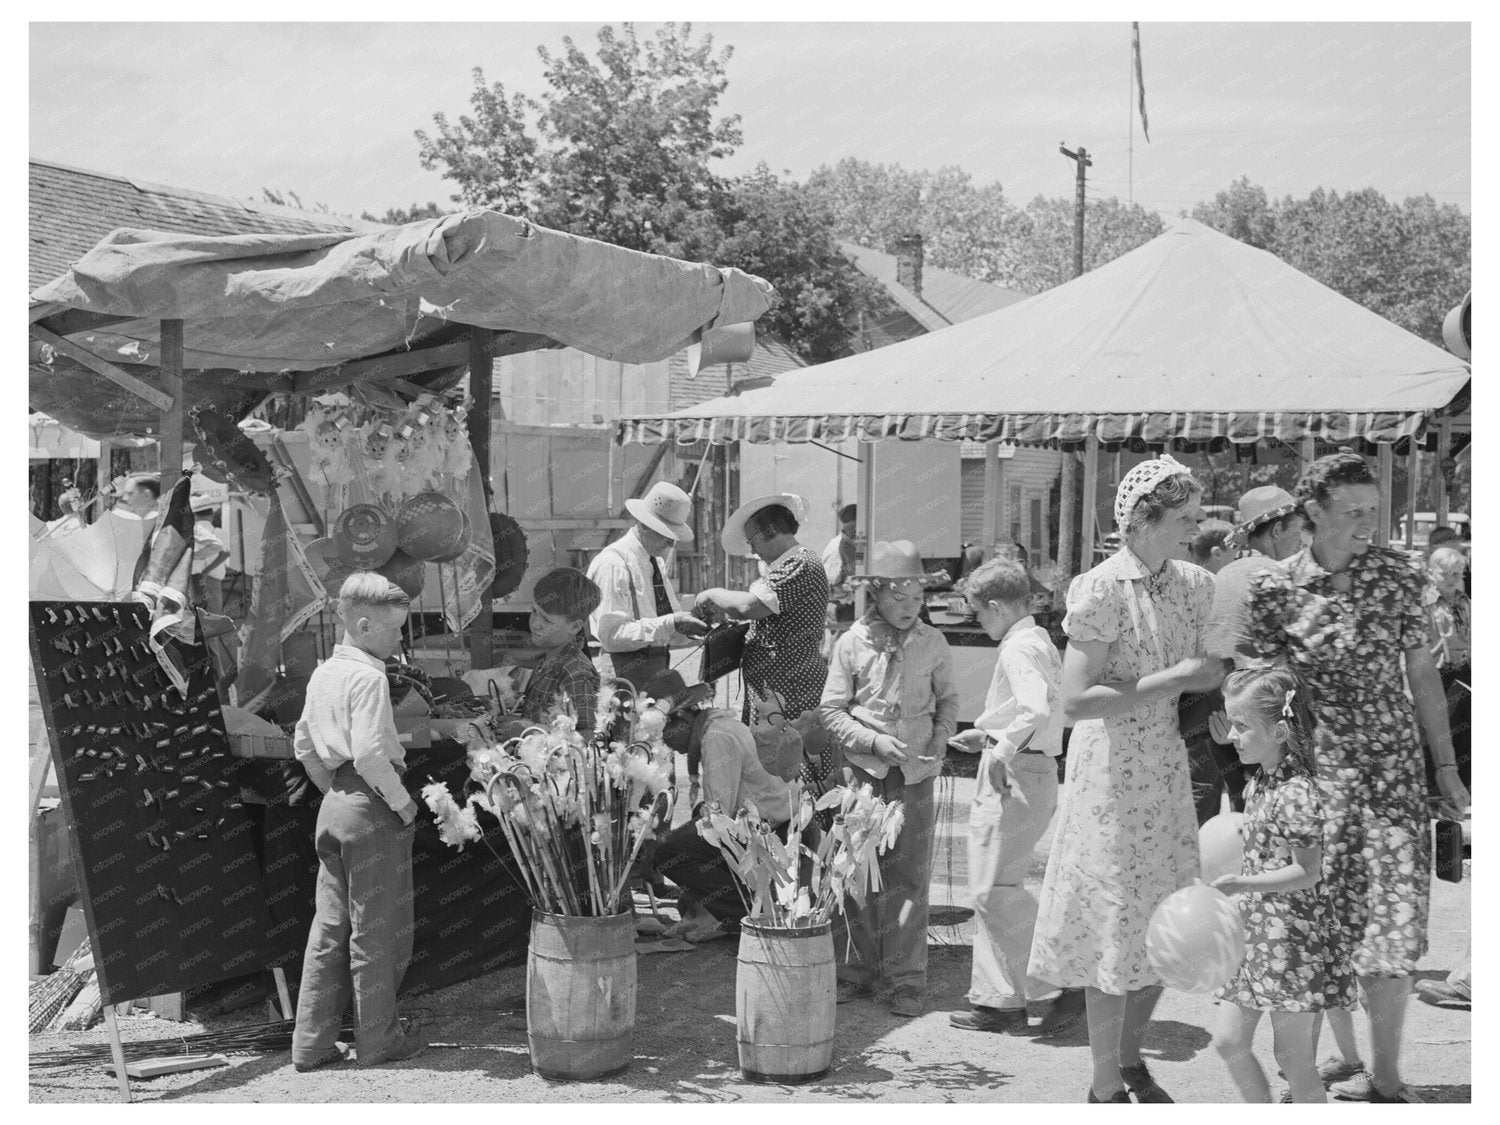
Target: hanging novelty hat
<point>733,535</point>
<point>366,536</point>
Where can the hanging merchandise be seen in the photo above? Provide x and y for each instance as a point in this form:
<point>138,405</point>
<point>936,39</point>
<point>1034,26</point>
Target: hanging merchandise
<point>408,573</point>
<point>365,536</point>
<point>429,525</point>
<point>510,554</point>
<point>226,454</point>
<point>465,536</point>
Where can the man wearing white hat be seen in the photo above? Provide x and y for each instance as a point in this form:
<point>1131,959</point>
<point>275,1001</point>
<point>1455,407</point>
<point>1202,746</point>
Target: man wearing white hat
<point>1269,531</point>
<point>639,616</point>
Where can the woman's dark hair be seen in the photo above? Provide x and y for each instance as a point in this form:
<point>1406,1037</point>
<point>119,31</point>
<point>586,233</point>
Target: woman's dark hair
<point>1327,473</point>
<point>774,519</point>
<point>1172,493</point>
<point>1277,694</point>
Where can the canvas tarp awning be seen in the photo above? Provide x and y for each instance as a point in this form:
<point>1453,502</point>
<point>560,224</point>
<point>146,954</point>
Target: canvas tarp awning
<point>258,305</point>
<point>1191,337</point>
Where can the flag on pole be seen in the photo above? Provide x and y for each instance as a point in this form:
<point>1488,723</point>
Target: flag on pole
<point>1140,81</point>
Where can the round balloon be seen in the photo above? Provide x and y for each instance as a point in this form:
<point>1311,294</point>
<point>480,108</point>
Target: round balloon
<point>460,548</point>
<point>366,536</point>
<point>1221,848</point>
<point>406,572</point>
<point>429,525</point>
<point>1196,939</point>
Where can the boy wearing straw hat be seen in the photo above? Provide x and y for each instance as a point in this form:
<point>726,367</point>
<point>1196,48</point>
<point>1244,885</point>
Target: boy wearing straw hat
<point>639,618</point>
<point>361,937</point>
<point>892,705</point>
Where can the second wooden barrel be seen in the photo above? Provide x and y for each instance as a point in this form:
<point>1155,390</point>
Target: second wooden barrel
<point>580,995</point>
<point>785,994</point>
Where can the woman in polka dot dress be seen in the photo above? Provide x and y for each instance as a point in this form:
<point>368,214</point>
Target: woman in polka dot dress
<point>783,667</point>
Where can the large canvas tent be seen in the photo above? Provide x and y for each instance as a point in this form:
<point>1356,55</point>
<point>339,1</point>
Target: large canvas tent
<point>1191,337</point>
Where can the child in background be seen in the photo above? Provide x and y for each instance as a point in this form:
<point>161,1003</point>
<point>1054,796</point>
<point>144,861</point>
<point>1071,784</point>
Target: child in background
<point>561,604</point>
<point>891,704</point>
<point>1294,967</point>
<point>1019,738</point>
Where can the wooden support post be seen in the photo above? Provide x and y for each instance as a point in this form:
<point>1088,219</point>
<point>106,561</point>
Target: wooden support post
<point>116,1048</point>
<point>481,387</point>
<point>866,519</point>
<point>172,417</point>
<point>1090,499</point>
<point>1385,463</point>
<point>993,498</point>
<point>1413,473</point>
<point>1445,441</point>
<point>1067,502</point>
<point>101,481</point>
<point>283,994</point>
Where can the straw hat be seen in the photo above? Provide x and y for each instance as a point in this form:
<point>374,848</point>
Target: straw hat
<point>665,509</point>
<point>733,536</point>
<point>672,693</point>
<point>1262,505</point>
<point>899,561</point>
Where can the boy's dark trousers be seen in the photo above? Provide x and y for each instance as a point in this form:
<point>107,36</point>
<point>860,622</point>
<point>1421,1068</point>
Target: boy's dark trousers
<point>361,937</point>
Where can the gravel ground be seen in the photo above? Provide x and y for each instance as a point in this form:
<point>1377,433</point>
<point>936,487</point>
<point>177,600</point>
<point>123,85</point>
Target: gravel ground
<point>685,1038</point>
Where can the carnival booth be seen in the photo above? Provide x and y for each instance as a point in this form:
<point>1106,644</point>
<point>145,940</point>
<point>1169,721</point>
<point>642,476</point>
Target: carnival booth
<point>189,825</point>
<point>1193,341</point>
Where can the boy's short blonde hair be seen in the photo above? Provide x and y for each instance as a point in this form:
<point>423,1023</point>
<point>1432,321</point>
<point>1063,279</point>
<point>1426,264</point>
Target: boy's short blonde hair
<point>999,580</point>
<point>365,590</point>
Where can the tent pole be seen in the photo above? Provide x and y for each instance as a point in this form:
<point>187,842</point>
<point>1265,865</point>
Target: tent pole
<point>994,485</point>
<point>1445,438</point>
<point>172,417</point>
<point>481,387</point>
<point>1385,462</point>
<point>1090,499</point>
<point>1067,502</point>
<point>866,515</point>
<point>1413,467</point>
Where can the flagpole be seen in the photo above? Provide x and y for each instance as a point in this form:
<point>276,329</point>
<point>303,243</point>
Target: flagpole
<point>1130,119</point>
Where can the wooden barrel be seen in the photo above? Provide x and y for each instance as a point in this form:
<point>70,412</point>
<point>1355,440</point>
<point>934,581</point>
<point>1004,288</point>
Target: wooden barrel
<point>784,999</point>
<point>580,995</point>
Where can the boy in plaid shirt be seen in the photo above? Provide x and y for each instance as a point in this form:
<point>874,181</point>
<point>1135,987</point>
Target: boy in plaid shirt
<point>561,604</point>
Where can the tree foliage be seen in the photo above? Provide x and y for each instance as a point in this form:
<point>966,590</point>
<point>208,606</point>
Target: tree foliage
<point>621,146</point>
<point>1409,262</point>
<point>398,216</point>
<point>974,229</point>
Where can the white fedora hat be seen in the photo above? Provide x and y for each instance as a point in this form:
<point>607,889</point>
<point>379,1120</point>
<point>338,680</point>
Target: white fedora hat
<point>665,509</point>
<point>733,535</point>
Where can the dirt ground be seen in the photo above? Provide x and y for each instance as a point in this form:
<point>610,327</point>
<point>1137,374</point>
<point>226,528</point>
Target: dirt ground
<point>685,1037</point>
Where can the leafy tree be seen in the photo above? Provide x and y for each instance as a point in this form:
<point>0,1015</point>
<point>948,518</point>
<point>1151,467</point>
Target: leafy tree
<point>783,231</point>
<point>1241,211</point>
<point>490,156</point>
<point>975,230</point>
<point>397,216</point>
<point>621,147</point>
<point>1409,261</point>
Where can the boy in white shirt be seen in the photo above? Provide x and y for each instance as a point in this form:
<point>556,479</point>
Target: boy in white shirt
<point>361,937</point>
<point>1019,737</point>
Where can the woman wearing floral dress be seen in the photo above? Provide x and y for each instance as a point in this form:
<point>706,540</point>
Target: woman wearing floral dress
<point>783,665</point>
<point>1348,618</point>
<point>1126,834</point>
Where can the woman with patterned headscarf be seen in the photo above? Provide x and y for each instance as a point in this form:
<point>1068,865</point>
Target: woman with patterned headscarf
<point>1126,833</point>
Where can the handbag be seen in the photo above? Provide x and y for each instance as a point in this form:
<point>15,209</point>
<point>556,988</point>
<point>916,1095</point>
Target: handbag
<point>723,650</point>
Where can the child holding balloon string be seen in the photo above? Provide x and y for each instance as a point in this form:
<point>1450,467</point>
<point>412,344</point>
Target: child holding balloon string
<point>1294,966</point>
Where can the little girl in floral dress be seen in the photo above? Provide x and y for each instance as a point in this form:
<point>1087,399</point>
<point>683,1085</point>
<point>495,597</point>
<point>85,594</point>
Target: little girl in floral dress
<point>1294,965</point>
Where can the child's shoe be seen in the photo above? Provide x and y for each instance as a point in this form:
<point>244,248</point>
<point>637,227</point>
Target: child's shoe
<point>907,1001</point>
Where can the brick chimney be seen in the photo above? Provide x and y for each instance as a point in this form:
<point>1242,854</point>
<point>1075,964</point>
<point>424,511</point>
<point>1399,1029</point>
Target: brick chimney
<point>909,262</point>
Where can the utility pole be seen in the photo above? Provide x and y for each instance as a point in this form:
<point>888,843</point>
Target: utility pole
<point>1081,158</point>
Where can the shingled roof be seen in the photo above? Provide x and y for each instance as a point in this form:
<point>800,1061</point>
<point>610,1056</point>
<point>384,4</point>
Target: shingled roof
<point>71,209</point>
<point>946,298</point>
